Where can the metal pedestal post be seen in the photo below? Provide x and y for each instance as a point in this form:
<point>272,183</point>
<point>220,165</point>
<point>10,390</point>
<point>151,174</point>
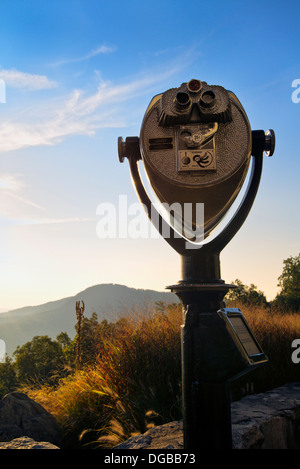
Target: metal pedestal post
<point>206,404</point>
<point>205,387</point>
<point>207,419</point>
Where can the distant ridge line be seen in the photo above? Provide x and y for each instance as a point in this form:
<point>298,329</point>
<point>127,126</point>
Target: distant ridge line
<point>110,301</point>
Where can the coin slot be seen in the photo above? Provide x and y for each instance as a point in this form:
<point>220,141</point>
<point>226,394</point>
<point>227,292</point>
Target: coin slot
<point>163,143</point>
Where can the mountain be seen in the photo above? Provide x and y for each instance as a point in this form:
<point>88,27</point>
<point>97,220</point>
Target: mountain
<point>109,301</point>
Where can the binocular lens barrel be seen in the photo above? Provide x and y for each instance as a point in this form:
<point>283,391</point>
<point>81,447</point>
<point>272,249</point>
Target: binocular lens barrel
<point>208,99</point>
<point>182,100</point>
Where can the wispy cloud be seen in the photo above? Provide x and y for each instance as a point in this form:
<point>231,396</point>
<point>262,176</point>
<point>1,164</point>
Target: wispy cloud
<point>12,188</point>
<point>79,113</point>
<point>17,79</point>
<point>11,185</point>
<point>23,200</point>
<point>50,221</point>
<point>93,53</point>
<point>49,123</point>
<point>82,112</point>
<point>22,221</point>
<point>10,182</point>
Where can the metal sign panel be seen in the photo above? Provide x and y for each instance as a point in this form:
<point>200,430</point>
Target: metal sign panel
<point>243,335</point>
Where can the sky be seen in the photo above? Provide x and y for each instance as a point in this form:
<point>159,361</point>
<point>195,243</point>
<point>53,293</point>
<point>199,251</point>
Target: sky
<point>77,74</point>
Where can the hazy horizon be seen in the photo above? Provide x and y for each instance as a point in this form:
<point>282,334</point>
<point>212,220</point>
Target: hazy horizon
<point>77,292</point>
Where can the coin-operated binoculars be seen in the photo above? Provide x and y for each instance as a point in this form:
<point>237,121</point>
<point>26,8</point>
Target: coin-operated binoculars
<point>196,146</point>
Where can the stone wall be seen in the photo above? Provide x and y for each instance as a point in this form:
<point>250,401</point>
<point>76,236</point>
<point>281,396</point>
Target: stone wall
<point>268,420</point>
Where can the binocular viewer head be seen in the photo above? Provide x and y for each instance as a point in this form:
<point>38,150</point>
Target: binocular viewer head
<point>194,101</point>
<point>196,145</point>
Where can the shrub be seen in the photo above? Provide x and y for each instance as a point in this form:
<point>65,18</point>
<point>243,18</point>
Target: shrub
<point>275,332</point>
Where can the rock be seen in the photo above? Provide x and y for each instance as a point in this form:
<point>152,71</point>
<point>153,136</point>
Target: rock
<point>168,436</point>
<point>21,416</point>
<point>268,420</point>
<point>27,443</point>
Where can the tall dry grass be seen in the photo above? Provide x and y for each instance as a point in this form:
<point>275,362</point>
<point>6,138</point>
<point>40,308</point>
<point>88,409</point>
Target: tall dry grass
<point>275,332</point>
<point>133,384</point>
<point>136,380</point>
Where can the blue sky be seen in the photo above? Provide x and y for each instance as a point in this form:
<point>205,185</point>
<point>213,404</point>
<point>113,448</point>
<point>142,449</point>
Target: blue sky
<point>80,73</point>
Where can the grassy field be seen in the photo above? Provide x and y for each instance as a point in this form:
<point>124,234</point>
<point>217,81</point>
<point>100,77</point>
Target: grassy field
<point>135,382</point>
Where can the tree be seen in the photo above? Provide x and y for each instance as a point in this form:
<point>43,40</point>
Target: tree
<point>64,340</point>
<point>246,295</point>
<point>89,339</point>
<point>79,316</point>
<point>289,281</point>
<point>69,349</point>
<point>8,377</point>
<point>40,359</point>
